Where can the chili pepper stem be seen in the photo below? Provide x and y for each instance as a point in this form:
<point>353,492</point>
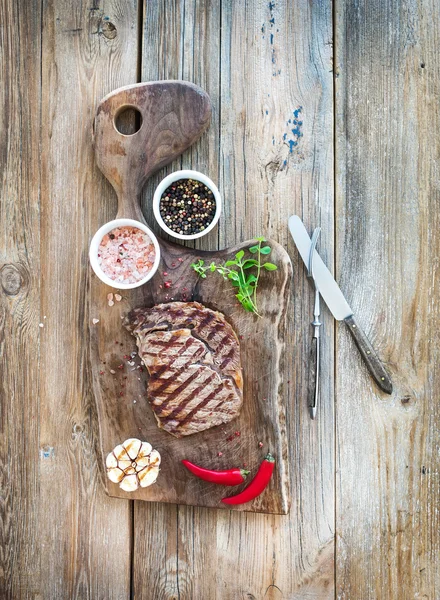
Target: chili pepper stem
<point>258,484</point>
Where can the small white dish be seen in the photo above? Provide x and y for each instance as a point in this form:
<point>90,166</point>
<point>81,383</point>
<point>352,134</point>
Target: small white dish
<point>187,174</point>
<point>94,246</point>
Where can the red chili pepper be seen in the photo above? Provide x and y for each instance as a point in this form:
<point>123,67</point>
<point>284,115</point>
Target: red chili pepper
<point>229,477</point>
<point>257,485</point>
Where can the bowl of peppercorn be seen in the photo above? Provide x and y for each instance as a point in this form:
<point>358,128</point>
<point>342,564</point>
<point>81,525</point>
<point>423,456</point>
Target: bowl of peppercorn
<point>187,205</point>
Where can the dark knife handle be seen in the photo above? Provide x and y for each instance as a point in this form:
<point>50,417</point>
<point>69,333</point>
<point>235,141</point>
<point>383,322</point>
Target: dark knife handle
<point>369,355</point>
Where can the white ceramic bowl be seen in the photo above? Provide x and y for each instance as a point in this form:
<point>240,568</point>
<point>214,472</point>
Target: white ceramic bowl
<point>96,240</point>
<point>186,175</point>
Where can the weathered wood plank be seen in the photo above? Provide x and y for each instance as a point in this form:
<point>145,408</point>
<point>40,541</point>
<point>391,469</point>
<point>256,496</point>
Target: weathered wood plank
<point>264,177</point>
<point>19,298</point>
<point>388,252</point>
<point>187,54</point>
<point>272,167</point>
<point>84,535</point>
<point>175,43</point>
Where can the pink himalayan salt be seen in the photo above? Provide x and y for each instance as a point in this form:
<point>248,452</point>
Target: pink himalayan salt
<point>126,254</point>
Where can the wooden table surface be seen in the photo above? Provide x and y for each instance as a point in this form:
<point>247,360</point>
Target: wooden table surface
<point>327,111</point>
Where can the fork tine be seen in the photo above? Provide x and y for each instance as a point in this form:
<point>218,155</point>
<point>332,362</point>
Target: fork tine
<point>313,243</point>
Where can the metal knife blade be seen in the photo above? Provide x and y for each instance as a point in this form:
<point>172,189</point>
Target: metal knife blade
<point>338,305</point>
<point>328,287</point>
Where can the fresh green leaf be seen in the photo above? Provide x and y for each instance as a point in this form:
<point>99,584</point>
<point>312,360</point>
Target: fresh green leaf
<point>244,282</point>
<point>250,262</point>
<point>248,305</point>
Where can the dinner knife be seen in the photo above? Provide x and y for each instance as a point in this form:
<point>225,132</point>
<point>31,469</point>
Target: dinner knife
<point>338,305</point>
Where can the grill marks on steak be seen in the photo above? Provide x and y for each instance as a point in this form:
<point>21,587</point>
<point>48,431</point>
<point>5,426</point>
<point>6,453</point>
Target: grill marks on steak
<point>193,358</point>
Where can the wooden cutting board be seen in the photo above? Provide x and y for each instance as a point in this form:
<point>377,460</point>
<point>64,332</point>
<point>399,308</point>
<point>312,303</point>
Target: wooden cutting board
<point>174,115</point>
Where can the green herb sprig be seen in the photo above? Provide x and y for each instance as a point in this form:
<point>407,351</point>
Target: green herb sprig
<point>238,272</point>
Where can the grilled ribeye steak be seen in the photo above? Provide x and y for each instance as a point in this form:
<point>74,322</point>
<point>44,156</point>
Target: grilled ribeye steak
<point>192,355</point>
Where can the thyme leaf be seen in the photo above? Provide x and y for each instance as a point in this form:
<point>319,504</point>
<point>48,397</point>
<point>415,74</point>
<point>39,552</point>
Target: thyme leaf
<point>236,270</point>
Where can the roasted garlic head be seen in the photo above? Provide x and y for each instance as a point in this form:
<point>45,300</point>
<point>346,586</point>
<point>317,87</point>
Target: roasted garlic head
<point>132,464</point>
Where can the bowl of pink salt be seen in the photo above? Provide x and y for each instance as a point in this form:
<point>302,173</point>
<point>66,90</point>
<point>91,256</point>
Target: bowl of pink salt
<point>124,253</point>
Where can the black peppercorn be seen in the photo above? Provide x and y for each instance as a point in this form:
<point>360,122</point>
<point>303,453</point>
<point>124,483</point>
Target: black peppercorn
<point>187,206</point>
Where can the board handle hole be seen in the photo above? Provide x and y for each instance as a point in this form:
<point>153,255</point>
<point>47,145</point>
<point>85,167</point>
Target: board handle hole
<point>128,120</point>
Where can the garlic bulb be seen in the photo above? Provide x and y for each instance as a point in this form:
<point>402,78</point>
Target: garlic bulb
<point>132,464</point>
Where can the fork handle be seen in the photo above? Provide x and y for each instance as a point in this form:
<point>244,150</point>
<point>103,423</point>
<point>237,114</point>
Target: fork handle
<point>314,371</point>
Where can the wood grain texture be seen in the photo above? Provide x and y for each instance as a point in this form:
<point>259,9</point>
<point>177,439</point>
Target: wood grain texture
<point>84,535</point>
<point>199,46</point>
<point>60,536</point>
<point>20,575</point>
<point>174,114</point>
<point>388,250</point>
<point>223,48</point>
<point>181,532</point>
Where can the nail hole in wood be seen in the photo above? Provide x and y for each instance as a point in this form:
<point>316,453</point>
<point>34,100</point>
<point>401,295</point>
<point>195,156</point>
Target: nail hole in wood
<point>128,121</point>
<point>422,65</point>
